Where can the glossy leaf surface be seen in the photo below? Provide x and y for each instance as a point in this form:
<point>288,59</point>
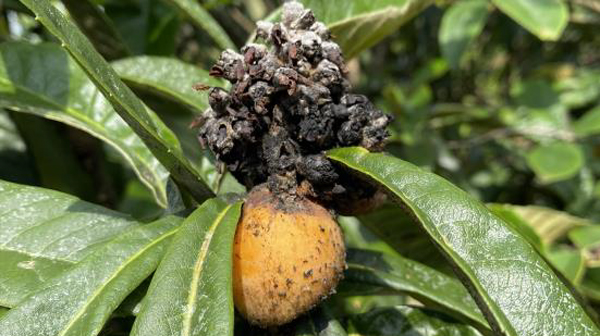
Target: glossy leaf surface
<point>511,283</point>
<point>43,233</point>
<point>167,77</point>
<point>79,301</point>
<point>191,292</point>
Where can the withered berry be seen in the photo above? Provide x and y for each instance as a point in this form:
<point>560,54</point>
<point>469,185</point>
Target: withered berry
<point>289,102</point>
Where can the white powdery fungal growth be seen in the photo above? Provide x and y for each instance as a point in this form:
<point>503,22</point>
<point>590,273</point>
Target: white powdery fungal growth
<point>288,103</point>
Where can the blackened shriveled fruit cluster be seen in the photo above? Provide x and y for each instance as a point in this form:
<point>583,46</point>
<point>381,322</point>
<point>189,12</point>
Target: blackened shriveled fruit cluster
<point>288,103</point>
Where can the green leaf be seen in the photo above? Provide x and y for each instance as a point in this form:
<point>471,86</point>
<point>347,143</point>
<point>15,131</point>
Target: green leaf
<point>45,81</point>
<point>191,292</point>
<point>159,139</point>
<point>545,18</point>
<point>80,301</point>
<point>44,232</point>
<point>406,321</point>
<point>425,284</point>
<point>587,239</point>
<point>358,25</point>
<point>203,20</point>
<point>590,285</point>
<point>519,292</point>
<point>3,310</point>
<point>396,228</point>
<point>568,261</point>
<point>549,225</point>
<point>519,225</point>
<point>461,24</point>
<point>167,77</point>
<point>556,161</point>
<point>542,227</point>
<point>318,322</point>
<point>98,27</point>
<point>173,79</point>
<point>589,123</point>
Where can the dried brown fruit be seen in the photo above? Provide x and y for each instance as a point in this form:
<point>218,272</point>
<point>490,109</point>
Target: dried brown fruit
<point>290,102</point>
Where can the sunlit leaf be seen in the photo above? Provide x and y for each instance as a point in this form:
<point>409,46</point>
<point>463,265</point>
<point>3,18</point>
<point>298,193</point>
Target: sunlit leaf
<point>360,24</point>
<point>167,77</point>
<point>545,18</point>
<point>44,232</point>
<point>589,123</point>
<point>191,292</point>
<point>482,248</point>
<point>78,302</point>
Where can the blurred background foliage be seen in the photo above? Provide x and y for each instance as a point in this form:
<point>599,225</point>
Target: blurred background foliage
<point>502,102</point>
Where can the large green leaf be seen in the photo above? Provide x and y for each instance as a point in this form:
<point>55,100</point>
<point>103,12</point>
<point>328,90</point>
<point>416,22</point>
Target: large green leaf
<point>203,20</point>
<point>360,24</point>
<point>78,302</point>
<point>98,27</point>
<point>44,232</point>
<point>406,321</point>
<point>44,80</point>
<point>168,77</point>
<point>191,292</point>
<point>461,24</point>
<point>519,225</point>
<point>542,227</point>
<point>556,161</point>
<point>514,287</point>
<point>159,139</point>
<point>419,281</point>
<point>545,18</point>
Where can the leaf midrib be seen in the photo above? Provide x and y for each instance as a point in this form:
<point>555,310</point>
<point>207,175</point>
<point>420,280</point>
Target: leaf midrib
<point>497,316</point>
<point>198,267</point>
<point>112,277</point>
